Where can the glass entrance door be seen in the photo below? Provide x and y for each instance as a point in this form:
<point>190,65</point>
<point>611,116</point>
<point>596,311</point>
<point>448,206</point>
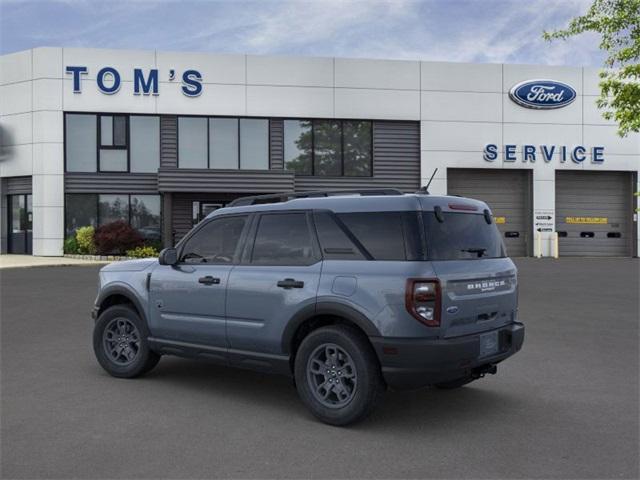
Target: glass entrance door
<point>20,224</point>
<point>202,209</point>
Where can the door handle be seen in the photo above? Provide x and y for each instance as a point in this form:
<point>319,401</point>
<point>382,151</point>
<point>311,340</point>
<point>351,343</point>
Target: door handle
<point>209,280</point>
<point>290,283</point>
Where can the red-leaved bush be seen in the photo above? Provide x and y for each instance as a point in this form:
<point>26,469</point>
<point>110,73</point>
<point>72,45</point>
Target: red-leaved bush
<point>116,238</point>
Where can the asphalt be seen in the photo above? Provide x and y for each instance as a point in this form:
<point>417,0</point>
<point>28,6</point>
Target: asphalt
<point>567,406</point>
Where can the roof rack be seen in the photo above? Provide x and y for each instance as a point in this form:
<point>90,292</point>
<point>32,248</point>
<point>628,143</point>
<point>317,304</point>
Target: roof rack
<point>286,196</point>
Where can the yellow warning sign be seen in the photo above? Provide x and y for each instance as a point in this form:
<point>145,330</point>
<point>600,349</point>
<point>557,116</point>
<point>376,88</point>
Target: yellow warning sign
<point>500,220</point>
<point>587,220</point>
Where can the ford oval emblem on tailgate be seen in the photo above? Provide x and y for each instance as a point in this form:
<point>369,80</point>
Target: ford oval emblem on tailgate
<point>453,309</point>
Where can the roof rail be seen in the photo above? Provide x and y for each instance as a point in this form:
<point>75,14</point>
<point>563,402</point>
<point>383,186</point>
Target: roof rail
<point>286,196</point>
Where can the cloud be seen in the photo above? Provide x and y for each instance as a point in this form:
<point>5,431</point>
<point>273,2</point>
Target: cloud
<point>444,30</point>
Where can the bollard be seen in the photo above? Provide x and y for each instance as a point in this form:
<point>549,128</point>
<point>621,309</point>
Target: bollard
<point>554,245</point>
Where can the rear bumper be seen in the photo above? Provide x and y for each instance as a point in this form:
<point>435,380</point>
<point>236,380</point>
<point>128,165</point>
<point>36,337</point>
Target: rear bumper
<point>415,363</point>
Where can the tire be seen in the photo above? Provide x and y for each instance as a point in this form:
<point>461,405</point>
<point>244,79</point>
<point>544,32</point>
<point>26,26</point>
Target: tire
<point>122,323</point>
<point>358,380</point>
<point>460,382</point>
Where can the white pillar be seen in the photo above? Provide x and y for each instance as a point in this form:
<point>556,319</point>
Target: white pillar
<point>544,205</point>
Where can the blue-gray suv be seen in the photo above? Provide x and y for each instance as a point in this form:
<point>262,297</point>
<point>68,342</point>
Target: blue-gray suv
<point>349,293</point>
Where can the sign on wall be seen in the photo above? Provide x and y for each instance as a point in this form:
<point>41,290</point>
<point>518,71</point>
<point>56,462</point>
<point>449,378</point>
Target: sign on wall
<point>109,81</point>
<point>545,153</point>
<point>587,220</point>
<point>542,94</point>
<point>544,220</point>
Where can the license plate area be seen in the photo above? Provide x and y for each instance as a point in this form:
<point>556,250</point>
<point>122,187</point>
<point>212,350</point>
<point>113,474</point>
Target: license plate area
<point>489,344</point>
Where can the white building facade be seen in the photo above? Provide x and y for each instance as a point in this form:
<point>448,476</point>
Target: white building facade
<point>159,139</point>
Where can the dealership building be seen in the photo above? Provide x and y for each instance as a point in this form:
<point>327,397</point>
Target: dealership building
<point>159,139</point>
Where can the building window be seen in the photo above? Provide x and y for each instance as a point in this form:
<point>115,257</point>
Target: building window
<point>80,142</point>
<point>327,148</point>
<point>297,146</point>
<point>192,142</point>
<point>223,143</point>
<point>112,143</point>
<point>80,211</point>
<point>142,212</point>
<point>145,216</point>
<point>144,142</point>
<point>254,144</point>
<point>331,148</point>
<point>357,148</point>
<point>112,208</point>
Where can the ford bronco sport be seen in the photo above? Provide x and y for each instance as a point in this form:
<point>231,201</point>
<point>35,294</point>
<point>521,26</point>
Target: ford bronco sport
<point>348,293</point>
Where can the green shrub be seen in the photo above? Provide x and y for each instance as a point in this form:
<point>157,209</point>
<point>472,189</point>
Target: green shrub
<point>84,237</point>
<point>71,245</point>
<point>143,252</point>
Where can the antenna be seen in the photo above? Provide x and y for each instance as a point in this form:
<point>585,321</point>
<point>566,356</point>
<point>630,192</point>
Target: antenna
<point>425,189</point>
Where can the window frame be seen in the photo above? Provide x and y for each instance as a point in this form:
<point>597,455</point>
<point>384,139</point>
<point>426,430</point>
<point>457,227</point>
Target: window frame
<point>98,115</point>
<point>101,147</point>
<point>239,248</point>
<point>238,142</point>
<point>247,251</point>
<point>341,121</point>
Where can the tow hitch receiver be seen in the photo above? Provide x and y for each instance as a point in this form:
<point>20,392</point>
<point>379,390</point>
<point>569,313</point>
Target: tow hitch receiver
<point>489,369</point>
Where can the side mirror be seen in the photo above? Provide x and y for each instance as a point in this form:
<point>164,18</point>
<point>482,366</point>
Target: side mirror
<point>168,256</point>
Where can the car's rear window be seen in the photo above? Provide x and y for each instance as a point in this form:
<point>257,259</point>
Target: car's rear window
<point>461,236</point>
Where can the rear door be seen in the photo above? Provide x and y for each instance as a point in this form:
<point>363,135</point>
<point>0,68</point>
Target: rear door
<point>278,277</point>
<point>478,283</point>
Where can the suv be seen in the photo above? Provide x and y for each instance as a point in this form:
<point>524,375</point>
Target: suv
<point>348,293</point>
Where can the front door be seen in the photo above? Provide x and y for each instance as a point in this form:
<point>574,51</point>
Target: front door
<point>20,222</point>
<point>187,301</point>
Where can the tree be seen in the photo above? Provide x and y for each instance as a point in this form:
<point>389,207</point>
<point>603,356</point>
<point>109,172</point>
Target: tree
<point>618,23</point>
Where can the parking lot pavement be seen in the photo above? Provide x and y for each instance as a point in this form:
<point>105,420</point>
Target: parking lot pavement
<point>565,407</point>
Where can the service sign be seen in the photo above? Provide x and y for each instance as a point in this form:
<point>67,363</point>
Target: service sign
<point>542,94</point>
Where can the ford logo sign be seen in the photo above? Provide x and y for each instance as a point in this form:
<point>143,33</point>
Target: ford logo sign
<point>542,94</point>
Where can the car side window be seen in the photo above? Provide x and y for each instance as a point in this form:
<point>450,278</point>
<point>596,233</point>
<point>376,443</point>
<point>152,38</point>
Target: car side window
<point>216,242</point>
<point>283,239</point>
<point>334,241</point>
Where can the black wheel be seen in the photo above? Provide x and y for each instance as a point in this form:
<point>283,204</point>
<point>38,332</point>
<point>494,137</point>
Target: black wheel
<point>120,343</point>
<point>453,384</point>
<point>337,375</point>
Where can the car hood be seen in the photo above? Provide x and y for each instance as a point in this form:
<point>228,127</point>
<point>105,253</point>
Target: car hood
<point>130,265</point>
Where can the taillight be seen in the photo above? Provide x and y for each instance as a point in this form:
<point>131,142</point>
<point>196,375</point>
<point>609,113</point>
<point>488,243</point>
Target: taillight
<point>422,300</point>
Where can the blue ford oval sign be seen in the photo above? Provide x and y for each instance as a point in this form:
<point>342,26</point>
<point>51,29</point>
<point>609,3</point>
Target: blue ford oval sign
<point>542,94</point>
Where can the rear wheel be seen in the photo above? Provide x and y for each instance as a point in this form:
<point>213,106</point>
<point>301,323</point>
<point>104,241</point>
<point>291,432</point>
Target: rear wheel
<point>120,343</point>
<point>337,375</point>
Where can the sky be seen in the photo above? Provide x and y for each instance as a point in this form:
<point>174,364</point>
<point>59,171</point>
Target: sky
<point>486,31</point>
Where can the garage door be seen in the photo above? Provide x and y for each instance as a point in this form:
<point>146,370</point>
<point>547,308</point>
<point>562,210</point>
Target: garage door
<point>594,213</point>
<point>507,193</point>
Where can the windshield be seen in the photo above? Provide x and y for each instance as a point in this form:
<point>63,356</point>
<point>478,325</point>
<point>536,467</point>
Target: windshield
<point>461,236</point>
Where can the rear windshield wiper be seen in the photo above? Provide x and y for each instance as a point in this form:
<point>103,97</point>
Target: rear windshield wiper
<point>479,251</point>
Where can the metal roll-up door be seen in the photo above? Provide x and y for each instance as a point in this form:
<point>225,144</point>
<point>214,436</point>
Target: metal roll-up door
<point>594,213</point>
<point>507,192</point>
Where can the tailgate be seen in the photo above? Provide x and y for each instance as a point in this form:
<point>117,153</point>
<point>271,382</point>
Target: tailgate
<point>477,295</point>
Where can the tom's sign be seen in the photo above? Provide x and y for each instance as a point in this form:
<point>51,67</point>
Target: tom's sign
<point>108,80</point>
<point>542,94</point>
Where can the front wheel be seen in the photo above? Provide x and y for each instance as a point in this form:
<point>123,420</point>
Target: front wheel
<point>120,343</point>
<point>337,375</point>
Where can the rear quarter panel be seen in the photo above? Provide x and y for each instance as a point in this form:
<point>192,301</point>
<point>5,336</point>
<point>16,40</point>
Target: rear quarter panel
<point>377,290</point>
